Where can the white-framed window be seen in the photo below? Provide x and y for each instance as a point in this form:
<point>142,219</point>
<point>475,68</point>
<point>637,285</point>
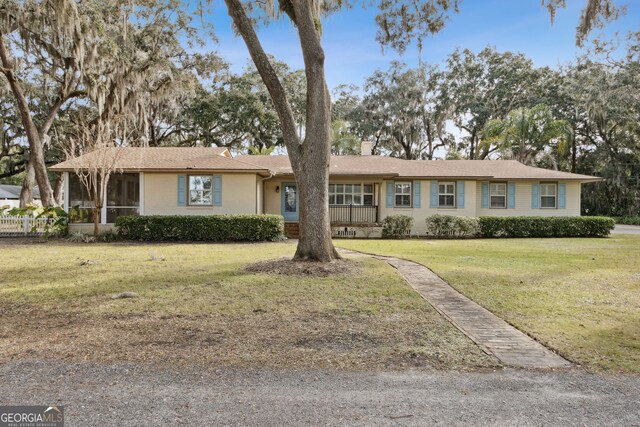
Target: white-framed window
<point>200,190</point>
<point>403,194</point>
<point>351,194</point>
<point>446,194</point>
<point>498,195</point>
<point>548,195</point>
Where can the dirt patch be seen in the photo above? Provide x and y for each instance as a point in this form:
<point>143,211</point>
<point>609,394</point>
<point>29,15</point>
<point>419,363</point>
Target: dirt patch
<point>287,266</point>
<point>309,340</point>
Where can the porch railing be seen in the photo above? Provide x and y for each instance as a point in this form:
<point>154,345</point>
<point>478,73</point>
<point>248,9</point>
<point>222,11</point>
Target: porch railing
<point>353,214</point>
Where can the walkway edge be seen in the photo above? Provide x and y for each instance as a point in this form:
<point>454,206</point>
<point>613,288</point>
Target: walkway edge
<point>492,334</point>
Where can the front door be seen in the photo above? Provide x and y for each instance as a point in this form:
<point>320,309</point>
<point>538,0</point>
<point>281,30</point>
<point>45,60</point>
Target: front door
<point>290,207</point>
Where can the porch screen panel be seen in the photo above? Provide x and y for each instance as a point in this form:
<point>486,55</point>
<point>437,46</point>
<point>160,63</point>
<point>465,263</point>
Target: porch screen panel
<point>123,195</point>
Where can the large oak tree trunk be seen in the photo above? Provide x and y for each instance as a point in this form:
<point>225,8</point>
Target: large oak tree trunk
<point>58,189</point>
<point>309,158</point>
<point>26,193</point>
<point>36,159</point>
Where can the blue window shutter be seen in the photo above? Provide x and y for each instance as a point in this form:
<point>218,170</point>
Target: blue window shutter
<point>460,192</point>
<point>217,190</point>
<point>182,190</point>
<point>562,196</point>
<point>390,191</point>
<point>535,195</point>
<point>416,194</point>
<point>485,195</point>
<point>511,195</point>
<point>433,199</point>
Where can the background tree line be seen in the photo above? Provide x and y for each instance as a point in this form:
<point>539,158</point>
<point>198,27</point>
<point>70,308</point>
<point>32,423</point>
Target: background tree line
<point>583,117</point>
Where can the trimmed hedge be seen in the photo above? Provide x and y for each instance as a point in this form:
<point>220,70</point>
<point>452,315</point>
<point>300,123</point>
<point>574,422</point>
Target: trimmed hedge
<point>211,228</point>
<point>556,226</point>
<point>449,226</point>
<point>397,226</point>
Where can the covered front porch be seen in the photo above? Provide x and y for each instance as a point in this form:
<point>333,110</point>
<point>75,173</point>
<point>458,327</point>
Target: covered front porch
<point>353,206</point>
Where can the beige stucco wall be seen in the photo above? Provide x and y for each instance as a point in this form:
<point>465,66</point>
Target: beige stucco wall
<point>420,214</point>
<point>239,195</point>
<point>523,202</point>
<point>472,205</point>
<point>272,200</point>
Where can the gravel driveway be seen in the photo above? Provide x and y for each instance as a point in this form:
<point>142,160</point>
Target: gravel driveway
<point>106,395</point>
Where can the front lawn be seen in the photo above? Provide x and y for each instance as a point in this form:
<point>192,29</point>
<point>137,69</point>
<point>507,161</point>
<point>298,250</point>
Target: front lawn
<point>581,297</point>
<point>196,305</point>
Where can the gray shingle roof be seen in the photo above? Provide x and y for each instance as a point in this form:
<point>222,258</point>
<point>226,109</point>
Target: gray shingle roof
<point>214,159</point>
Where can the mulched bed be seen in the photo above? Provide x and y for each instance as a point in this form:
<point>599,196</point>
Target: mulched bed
<point>287,266</point>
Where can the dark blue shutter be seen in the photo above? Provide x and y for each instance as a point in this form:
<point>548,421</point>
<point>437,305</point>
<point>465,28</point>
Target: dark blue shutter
<point>217,190</point>
<point>390,191</point>
<point>433,199</point>
<point>182,190</point>
<point>511,195</point>
<point>535,195</point>
<point>416,194</point>
<point>460,194</point>
<point>562,193</point>
<point>485,195</point>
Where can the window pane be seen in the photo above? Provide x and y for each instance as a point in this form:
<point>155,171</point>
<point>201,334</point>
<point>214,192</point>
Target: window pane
<point>339,199</point>
<point>442,188</point>
<point>406,188</point>
<point>357,199</point>
<point>398,188</point>
<point>450,189</point>
<point>348,188</point>
<point>406,200</point>
<point>339,188</point>
<point>446,201</point>
<point>332,199</point>
<point>548,201</point>
<point>356,188</point>
<point>290,198</point>
<point>498,189</point>
<point>498,202</point>
<point>368,199</point>
<point>368,188</point>
<point>547,189</point>
<point>332,188</point>
<point>348,199</point>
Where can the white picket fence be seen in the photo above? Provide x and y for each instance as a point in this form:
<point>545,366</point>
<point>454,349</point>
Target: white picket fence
<point>23,225</point>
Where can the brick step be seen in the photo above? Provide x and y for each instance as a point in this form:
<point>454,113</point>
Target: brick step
<point>292,230</point>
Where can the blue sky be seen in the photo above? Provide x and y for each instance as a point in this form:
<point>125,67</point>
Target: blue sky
<point>352,53</point>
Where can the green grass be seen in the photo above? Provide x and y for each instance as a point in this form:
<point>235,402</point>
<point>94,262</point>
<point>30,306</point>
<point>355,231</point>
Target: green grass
<point>197,305</point>
<point>578,296</point>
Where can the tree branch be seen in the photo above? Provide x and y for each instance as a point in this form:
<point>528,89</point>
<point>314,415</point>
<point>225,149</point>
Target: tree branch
<point>268,75</point>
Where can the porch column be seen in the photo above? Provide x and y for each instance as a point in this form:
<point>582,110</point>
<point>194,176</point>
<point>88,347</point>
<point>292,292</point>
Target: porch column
<point>65,190</point>
<point>103,211</point>
<point>141,203</point>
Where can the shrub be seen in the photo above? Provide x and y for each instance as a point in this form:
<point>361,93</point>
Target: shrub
<point>108,236</point>
<point>533,226</point>
<point>212,228</point>
<point>442,226</point>
<point>396,226</point>
<point>628,220</point>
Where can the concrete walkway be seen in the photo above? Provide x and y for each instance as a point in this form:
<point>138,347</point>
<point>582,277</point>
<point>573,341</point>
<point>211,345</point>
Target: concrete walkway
<point>492,334</point>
